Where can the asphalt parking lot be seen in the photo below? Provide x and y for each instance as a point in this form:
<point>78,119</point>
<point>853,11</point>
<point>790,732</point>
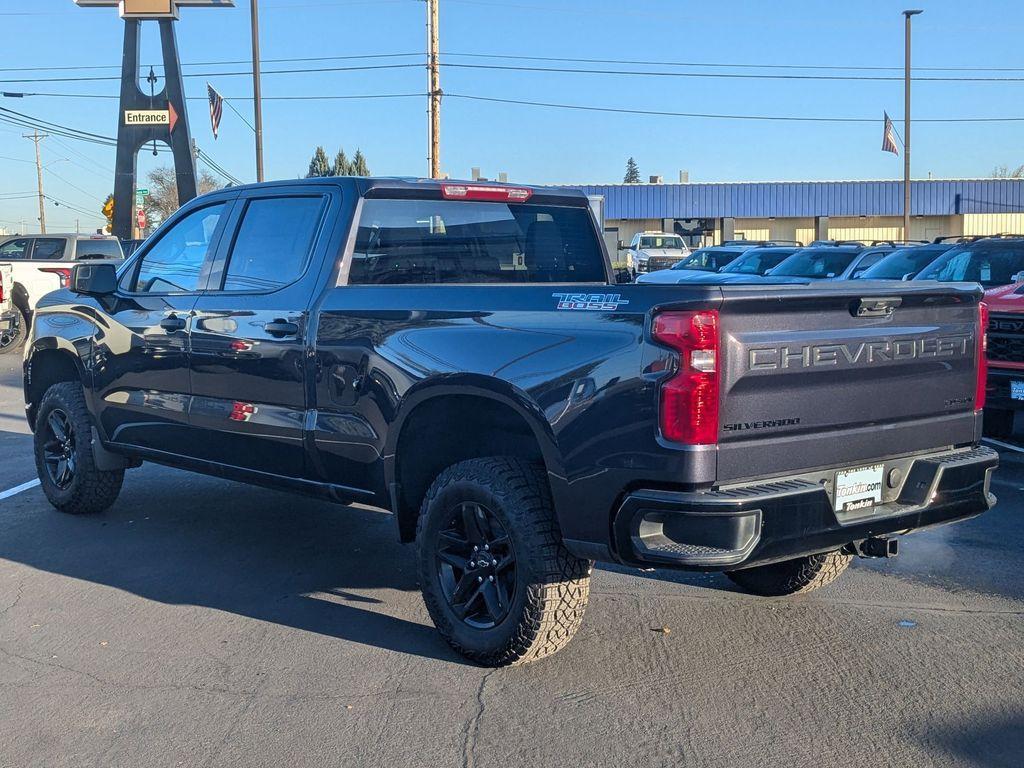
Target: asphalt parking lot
<point>202,622</point>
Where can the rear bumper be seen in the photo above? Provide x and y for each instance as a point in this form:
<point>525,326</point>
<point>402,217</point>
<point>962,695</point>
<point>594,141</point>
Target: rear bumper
<point>791,517</point>
<point>998,392</point>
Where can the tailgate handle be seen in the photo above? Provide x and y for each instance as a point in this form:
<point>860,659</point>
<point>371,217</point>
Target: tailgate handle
<point>867,307</point>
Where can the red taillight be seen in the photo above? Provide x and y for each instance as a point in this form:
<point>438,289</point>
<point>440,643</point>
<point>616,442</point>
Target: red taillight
<point>61,272</point>
<point>979,389</point>
<point>689,399</point>
<point>478,192</point>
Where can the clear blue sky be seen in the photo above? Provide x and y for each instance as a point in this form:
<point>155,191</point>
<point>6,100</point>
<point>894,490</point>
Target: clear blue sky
<point>536,144</point>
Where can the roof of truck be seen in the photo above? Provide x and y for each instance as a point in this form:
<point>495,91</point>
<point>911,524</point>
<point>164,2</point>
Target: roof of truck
<point>412,184</point>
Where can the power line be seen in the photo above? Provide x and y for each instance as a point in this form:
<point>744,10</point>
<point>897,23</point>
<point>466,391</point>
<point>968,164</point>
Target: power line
<point>246,73</point>
<point>521,57</point>
<point>725,75</point>
<point>712,116</point>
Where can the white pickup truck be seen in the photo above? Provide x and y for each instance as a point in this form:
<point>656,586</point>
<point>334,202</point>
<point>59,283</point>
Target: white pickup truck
<point>34,265</point>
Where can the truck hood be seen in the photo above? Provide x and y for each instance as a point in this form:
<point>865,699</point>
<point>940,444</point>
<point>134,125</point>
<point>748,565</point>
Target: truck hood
<point>663,253</point>
<point>1005,298</point>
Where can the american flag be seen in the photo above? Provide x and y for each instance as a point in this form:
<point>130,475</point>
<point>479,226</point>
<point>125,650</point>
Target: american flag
<point>217,108</point>
<point>889,136</point>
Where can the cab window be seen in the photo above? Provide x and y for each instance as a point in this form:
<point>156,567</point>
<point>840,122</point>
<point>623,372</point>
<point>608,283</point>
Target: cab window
<point>273,243</point>
<point>49,249</point>
<point>15,249</point>
<point>175,262</point>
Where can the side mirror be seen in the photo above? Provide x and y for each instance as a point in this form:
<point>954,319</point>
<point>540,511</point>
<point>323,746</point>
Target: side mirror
<point>1018,278</point>
<point>94,279</point>
<point>622,245</point>
<point>908,276</point>
<point>623,276</point>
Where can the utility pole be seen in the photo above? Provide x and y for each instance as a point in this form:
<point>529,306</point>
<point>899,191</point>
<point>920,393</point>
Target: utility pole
<point>435,94</point>
<point>36,137</point>
<point>907,15</point>
<point>257,98</point>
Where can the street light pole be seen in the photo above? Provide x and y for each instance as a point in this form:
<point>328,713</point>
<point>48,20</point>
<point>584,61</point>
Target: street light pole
<point>257,99</point>
<point>907,15</point>
<point>435,90</point>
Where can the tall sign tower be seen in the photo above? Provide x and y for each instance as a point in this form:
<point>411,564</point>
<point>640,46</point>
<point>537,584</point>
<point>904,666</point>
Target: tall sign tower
<point>144,117</point>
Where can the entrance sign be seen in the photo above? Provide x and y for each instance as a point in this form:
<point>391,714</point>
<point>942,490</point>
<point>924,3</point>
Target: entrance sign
<point>147,117</point>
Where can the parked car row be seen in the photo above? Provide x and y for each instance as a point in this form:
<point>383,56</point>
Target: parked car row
<point>991,261</point>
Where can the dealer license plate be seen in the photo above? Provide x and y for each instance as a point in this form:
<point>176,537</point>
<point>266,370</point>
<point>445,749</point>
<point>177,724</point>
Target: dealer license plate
<point>1017,390</point>
<point>859,488</point>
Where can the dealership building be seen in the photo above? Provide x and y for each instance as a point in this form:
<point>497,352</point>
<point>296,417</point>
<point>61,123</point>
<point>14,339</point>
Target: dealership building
<point>811,210</point>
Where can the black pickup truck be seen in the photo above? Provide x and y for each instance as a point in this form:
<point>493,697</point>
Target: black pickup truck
<point>459,354</point>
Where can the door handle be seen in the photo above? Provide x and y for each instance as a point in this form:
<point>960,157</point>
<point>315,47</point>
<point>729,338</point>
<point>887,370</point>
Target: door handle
<point>172,323</point>
<point>281,327</point>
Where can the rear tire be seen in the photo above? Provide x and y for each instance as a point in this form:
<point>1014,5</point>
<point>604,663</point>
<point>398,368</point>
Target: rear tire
<point>999,423</point>
<point>13,340</point>
<point>520,595</point>
<point>63,452</point>
<point>792,577</point>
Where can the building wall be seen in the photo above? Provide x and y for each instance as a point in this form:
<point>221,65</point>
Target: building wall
<point>993,223</point>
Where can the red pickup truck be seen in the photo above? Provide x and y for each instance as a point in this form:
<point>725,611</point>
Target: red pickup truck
<point>1005,391</point>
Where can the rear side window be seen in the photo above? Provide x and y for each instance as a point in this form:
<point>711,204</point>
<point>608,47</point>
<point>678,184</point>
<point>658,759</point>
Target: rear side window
<point>273,243</point>
<point>49,248</point>
<point>98,249</point>
<point>175,262</point>
<point>990,264</point>
<point>447,241</point>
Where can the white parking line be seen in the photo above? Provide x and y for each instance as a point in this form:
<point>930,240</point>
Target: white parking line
<point>1001,444</point>
<point>18,489</point>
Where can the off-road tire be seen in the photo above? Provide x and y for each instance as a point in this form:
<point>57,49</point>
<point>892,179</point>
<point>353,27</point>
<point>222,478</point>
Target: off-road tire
<point>792,577</point>
<point>13,346</point>
<point>91,490</point>
<point>999,423</point>
<point>552,585</point>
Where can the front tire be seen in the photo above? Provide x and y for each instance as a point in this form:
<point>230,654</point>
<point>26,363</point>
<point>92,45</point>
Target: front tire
<point>792,577</point>
<point>63,453</point>
<point>499,585</point>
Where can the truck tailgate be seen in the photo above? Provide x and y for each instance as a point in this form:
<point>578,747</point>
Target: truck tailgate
<point>841,373</point>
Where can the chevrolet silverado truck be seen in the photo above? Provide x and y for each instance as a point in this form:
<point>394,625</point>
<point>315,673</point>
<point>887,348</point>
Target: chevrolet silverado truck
<point>40,264</point>
<point>459,354</point>
<point>1005,358</point>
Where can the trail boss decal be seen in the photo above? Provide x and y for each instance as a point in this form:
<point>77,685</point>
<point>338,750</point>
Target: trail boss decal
<point>595,302</point>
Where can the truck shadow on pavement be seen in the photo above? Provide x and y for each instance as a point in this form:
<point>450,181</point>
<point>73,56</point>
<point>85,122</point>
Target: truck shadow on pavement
<point>183,539</point>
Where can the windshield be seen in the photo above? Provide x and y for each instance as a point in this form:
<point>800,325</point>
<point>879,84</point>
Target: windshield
<point>906,261</point>
<point>757,261</point>
<point>670,242</point>
<point>988,263</point>
<point>707,259</point>
<point>816,263</point>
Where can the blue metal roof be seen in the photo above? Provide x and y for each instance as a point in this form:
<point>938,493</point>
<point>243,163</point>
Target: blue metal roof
<point>807,198</point>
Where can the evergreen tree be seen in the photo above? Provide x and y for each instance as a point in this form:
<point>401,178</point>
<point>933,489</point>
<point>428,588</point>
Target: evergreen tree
<point>359,167</point>
<point>632,172</point>
<point>319,166</point>
<point>342,167</point>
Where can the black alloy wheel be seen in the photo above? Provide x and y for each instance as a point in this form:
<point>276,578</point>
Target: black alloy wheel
<point>11,337</point>
<point>476,566</point>
<point>59,449</point>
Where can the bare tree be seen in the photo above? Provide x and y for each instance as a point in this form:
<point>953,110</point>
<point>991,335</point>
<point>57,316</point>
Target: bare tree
<point>1003,172</point>
<point>163,191</point>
